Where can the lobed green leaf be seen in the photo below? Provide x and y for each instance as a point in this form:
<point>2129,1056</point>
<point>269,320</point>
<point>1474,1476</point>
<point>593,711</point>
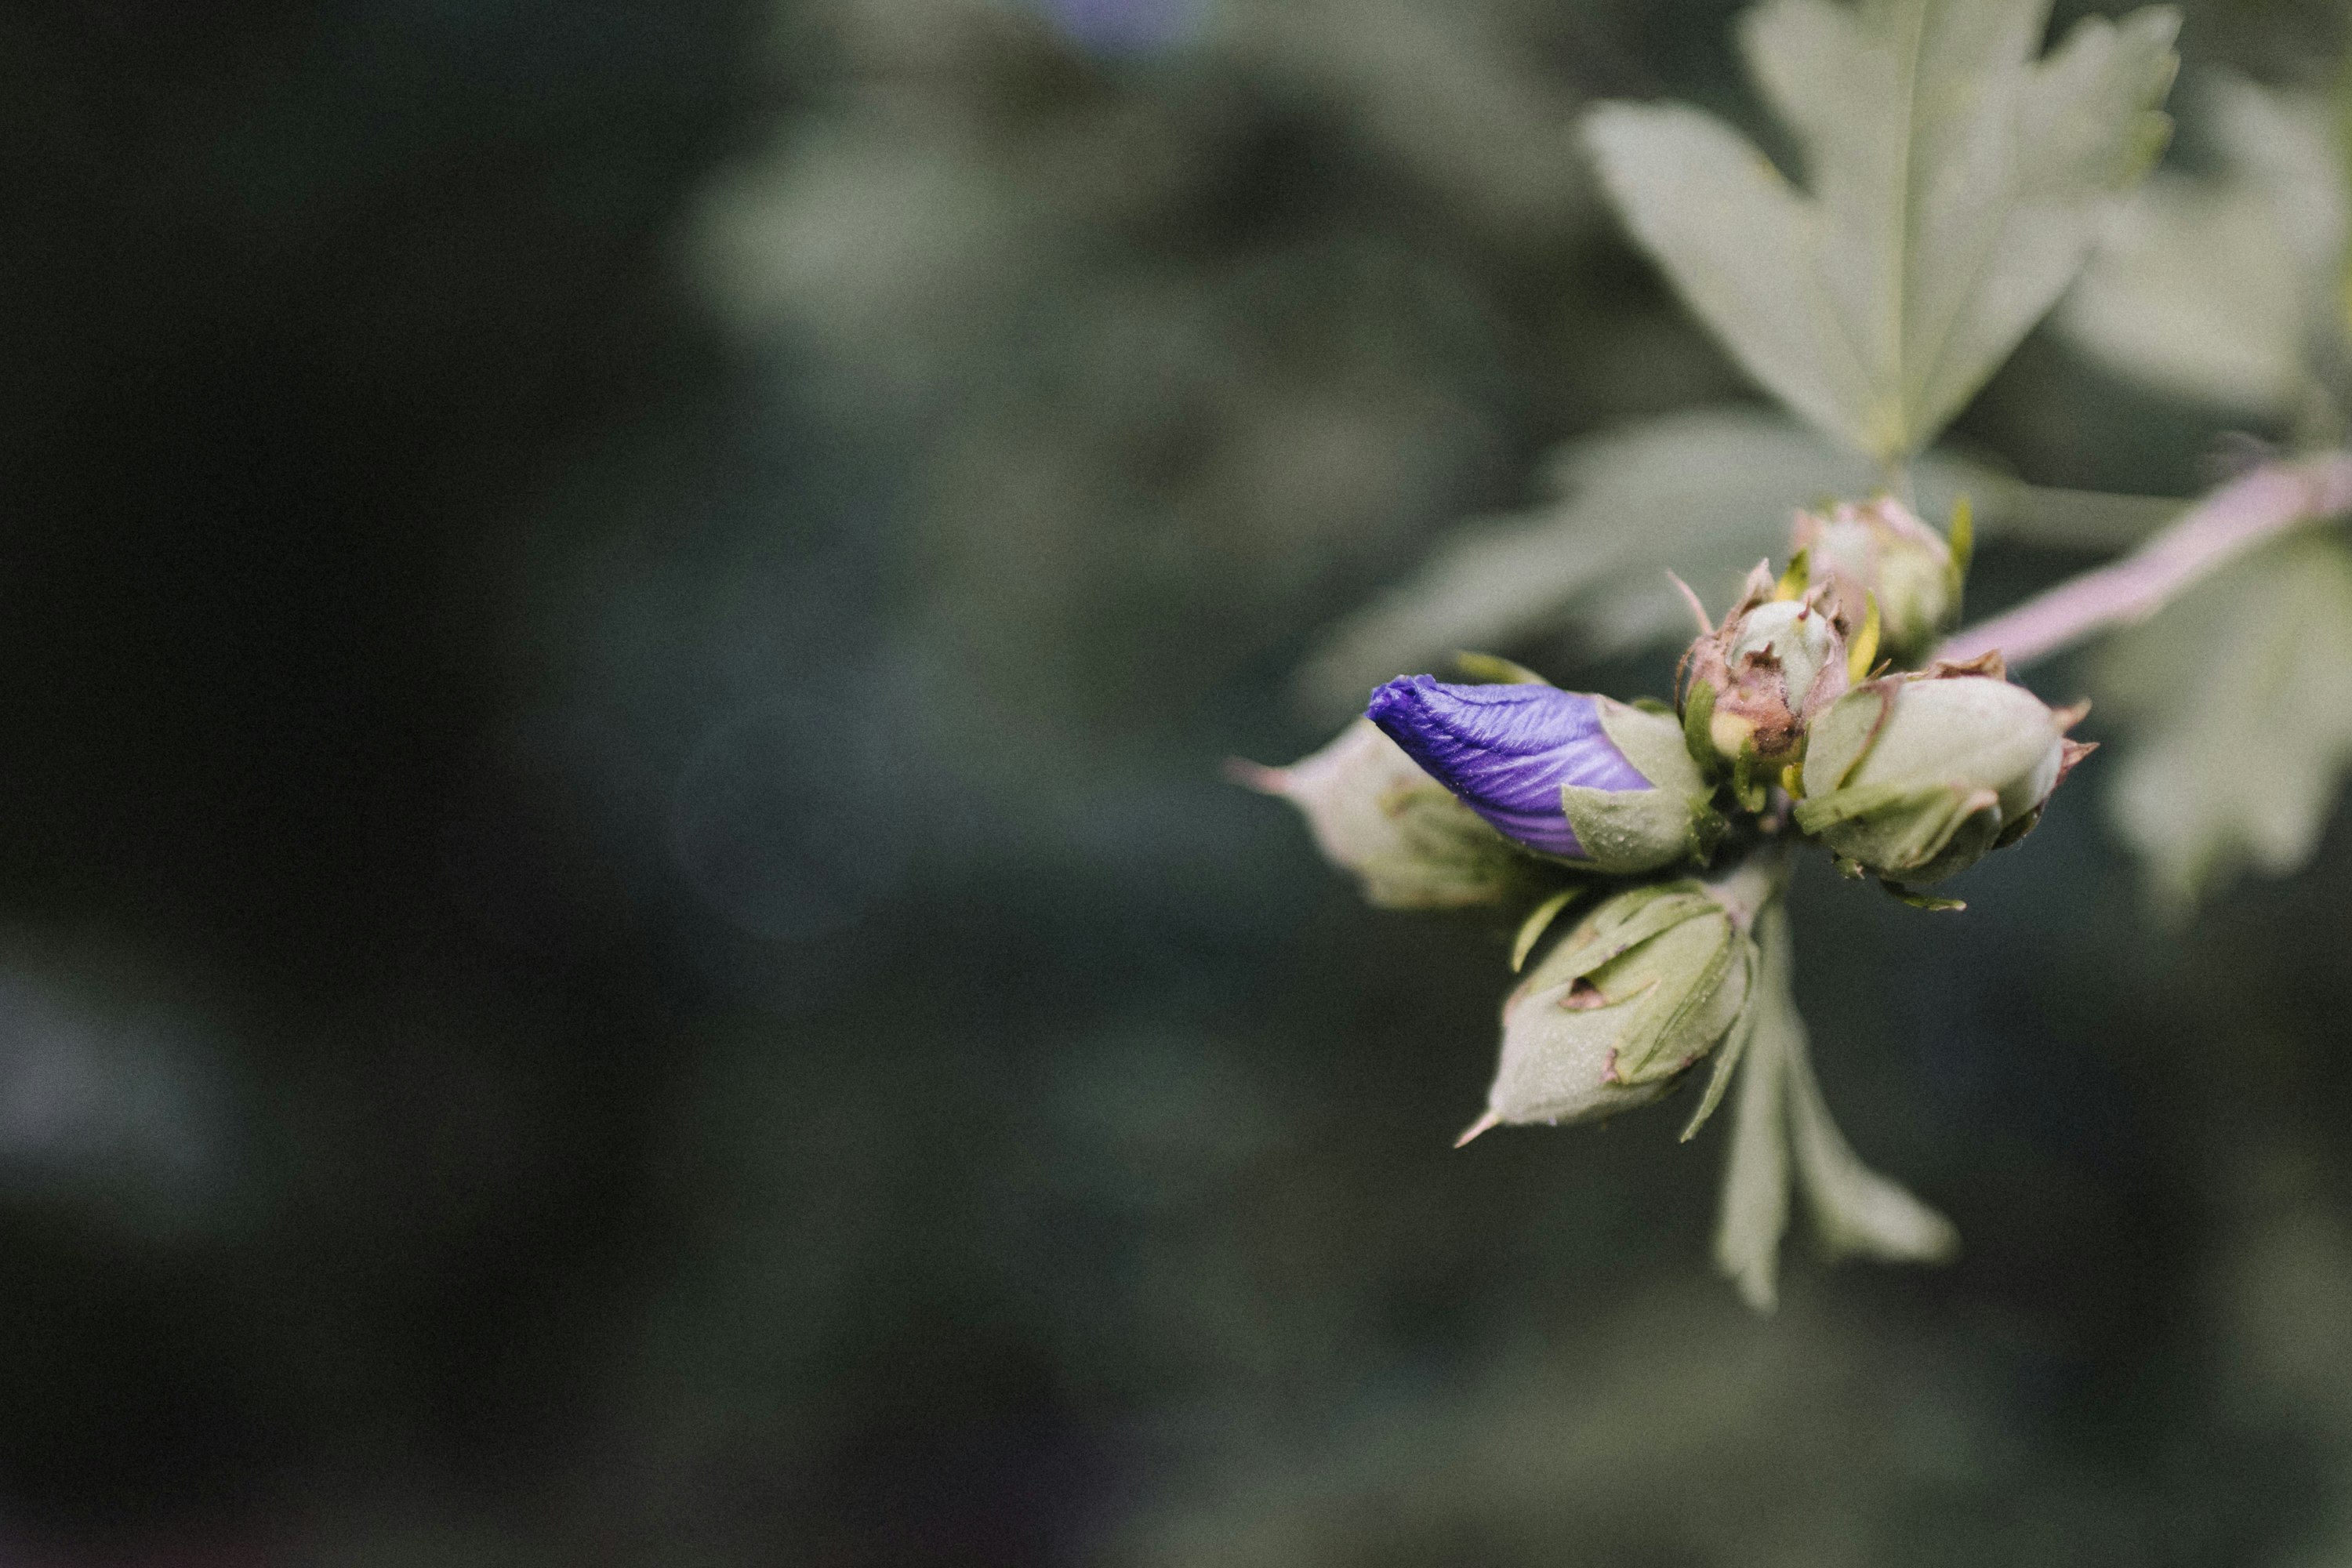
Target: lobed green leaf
<point>1956,183</point>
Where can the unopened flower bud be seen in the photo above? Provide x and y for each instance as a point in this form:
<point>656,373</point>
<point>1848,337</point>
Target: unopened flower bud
<point>1375,813</point>
<point>1638,994</point>
<point>1777,658</point>
<point>1915,777</point>
<point>1574,776</point>
<point>1880,550</point>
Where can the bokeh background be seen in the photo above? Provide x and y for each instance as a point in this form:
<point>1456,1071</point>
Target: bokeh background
<point>619,937</point>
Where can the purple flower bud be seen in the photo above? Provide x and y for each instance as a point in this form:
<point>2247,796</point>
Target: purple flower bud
<point>1505,751</point>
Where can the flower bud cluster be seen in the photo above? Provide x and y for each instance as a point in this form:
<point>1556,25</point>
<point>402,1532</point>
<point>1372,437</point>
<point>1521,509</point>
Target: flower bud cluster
<point>1797,722</point>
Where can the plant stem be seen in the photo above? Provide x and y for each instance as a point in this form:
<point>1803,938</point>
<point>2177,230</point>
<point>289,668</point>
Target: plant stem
<point>2269,501</point>
<point>1748,889</point>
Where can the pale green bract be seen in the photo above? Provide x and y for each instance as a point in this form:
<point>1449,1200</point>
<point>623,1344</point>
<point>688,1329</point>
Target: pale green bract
<point>2220,287</point>
<point>1780,1113</point>
<point>1955,186</point>
<point>2238,698</point>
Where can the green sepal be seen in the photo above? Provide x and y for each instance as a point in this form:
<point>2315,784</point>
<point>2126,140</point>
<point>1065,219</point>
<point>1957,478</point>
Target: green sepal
<point>1652,744</point>
<point>1796,579</point>
<point>1862,652</point>
<point>1624,923</point>
<point>1538,920</point>
<point>1836,742</point>
<point>1751,780</point>
<point>1626,831</point>
<point>1919,833</point>
<point>1441,859</point>
<point>1633,830</point>
<point>1675,933</point>
<point>1698,713</point>
<point>1962,538</point>
<point>1727,1058</point>
<point>1970,840</point>
<point>1707,828</point>
<point>1903,895</point>
<point>2014,831</point>
<point>1918,777</point>
<point>1670,1050</point>
<point>1410,843</point>
<point>1817,813</point>
<point>1494,670</point>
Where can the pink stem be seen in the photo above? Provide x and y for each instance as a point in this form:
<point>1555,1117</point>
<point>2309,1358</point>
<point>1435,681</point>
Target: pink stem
<point>2242,514</point>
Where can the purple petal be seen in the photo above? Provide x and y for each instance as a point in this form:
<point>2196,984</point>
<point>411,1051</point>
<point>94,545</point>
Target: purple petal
<point>1505,751</point>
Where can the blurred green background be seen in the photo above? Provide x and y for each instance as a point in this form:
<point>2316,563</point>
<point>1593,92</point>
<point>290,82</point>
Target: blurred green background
<point>621,940</point>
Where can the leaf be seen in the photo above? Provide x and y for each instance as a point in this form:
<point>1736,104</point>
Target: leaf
<point>1956,185</point>
<point>1856,1210</point>
<point>2238,698</point>
<point>1754,1206</point>
<point>2218,288</point>
<point>1704,492</point>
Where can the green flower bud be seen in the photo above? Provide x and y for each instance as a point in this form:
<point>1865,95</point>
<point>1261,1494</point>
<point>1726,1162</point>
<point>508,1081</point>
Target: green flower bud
<point>1779,657</point>
<point>1410,843</point>
<point>1880,550</point>
<point>1915,777</point>
<point>1640,992</point>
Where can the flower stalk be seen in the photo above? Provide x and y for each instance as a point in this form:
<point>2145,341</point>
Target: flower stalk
<point>2273,499</point>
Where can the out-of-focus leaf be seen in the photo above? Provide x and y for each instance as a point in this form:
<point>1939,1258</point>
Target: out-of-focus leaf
<point>1856,1210</point>
<point>1704,492</point>
<point>1754,1206</point>
<point>1956,185</point>
<point>2239,699</point>
<point>2197,298</point>
<point>2218,287</point>
<point>1450,90</point>
<point>2059,519</point>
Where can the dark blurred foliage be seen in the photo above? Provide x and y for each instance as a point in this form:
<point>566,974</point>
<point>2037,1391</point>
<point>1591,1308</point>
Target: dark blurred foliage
<point>622,939</point>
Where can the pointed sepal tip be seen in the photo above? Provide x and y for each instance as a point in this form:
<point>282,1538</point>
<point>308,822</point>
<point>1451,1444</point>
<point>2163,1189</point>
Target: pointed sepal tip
<point>1485,1122</point>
